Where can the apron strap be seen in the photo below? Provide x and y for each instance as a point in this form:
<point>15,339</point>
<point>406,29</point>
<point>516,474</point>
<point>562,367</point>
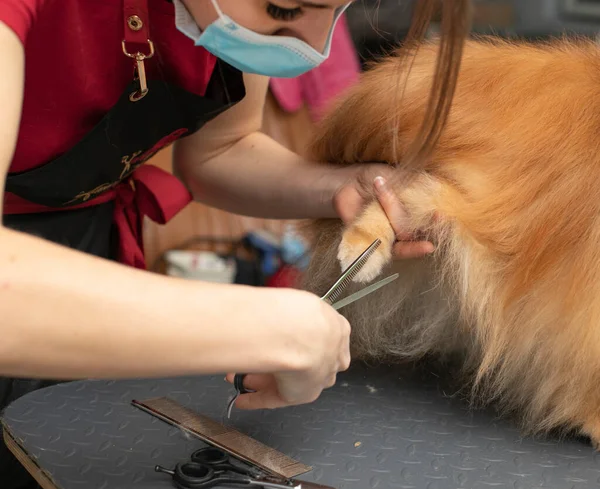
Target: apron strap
<point>137,33</point>
<point>136,21</point>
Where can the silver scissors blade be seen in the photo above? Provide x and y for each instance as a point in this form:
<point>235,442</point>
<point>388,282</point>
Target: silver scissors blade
<point>346,277</point>
<point>231,403</point>
<point>364,292</point>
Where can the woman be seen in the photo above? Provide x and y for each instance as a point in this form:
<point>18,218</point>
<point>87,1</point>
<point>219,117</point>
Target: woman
<point>92,89</point>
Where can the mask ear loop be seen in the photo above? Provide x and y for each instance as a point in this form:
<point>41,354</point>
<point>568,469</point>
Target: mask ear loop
<point>217,8</point>
<point>336,19</point>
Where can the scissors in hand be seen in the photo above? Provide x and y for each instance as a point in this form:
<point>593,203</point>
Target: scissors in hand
<point>331,297</point>
<point>209,467</point>
<point>346,277</point>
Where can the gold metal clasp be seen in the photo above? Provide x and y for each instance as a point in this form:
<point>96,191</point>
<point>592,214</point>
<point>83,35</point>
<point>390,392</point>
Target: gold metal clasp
<point>140,74</point>
<point>140,69</point>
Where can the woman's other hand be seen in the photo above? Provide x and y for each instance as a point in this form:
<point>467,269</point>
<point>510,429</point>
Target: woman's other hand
<point>369,180</point>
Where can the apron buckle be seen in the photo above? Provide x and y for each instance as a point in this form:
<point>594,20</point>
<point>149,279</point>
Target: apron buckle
<point>136,32</point>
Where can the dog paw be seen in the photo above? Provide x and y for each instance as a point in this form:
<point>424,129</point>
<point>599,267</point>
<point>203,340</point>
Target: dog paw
<point>592,430</point>
<point>354,242</point>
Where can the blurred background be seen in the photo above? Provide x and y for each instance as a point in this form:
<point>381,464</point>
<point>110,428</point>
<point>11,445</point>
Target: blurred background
<point>376,25</point>
<point>209,244</point>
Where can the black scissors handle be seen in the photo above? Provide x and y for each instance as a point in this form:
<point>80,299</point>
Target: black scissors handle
<point>191,475</point>
<point>238,384</point>
<point>218,460</point>
<point>210,456</point>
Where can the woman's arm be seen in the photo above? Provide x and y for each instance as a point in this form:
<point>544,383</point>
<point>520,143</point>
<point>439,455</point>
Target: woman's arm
<point>230,164</point>
<point>259,177</point>
<point>69,315</point>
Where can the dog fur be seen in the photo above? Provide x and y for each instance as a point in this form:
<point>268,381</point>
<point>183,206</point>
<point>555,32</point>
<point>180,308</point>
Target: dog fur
<point>510,198</point>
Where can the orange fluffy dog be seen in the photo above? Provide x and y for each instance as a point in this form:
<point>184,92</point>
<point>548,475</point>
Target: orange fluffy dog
<point>511,198</point>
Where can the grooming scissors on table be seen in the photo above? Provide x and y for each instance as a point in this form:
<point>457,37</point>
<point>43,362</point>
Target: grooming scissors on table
<point>331,297</point>
<point>212,467</point>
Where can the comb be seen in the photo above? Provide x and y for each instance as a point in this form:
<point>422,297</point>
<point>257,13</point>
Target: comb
<point>341,283</point>
<point>237,444</point>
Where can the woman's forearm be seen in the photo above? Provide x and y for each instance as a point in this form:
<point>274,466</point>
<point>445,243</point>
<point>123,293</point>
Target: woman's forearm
<point>259,177</point>
<point>67,315</point>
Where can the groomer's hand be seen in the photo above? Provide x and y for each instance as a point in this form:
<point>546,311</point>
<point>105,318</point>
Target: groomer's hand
<point>360,189</point>
<point>316,344</point>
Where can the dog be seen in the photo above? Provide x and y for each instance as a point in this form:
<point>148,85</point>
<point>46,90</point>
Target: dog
<point>510,196</point>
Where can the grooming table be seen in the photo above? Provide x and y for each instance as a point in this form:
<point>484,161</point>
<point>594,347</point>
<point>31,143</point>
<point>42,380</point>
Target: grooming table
<point>378,428</point>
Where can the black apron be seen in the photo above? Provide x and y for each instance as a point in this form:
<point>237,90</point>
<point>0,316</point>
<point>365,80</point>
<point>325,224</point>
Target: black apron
<point>98,163</point>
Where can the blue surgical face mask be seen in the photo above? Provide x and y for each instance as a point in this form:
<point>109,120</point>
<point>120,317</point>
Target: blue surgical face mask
<point>250,52</point>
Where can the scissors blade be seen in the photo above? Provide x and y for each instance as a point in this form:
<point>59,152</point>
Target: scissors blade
<point>364,292</point>
<point>231,404</point>
<point>342,282</point>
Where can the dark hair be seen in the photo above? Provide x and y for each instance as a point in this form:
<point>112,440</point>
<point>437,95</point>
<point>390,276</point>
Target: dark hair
<point>455,19</point>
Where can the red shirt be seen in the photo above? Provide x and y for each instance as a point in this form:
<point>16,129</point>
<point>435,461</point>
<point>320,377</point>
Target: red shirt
<point>76,71</point>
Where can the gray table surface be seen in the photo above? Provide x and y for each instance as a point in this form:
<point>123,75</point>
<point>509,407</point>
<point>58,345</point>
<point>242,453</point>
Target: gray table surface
<point>377,428</point>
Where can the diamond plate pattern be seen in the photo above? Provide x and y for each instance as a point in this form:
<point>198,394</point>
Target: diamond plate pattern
<point>377,429</point>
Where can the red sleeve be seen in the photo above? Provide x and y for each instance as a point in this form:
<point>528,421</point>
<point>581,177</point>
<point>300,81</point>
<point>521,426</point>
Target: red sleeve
<point>18,15</point>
